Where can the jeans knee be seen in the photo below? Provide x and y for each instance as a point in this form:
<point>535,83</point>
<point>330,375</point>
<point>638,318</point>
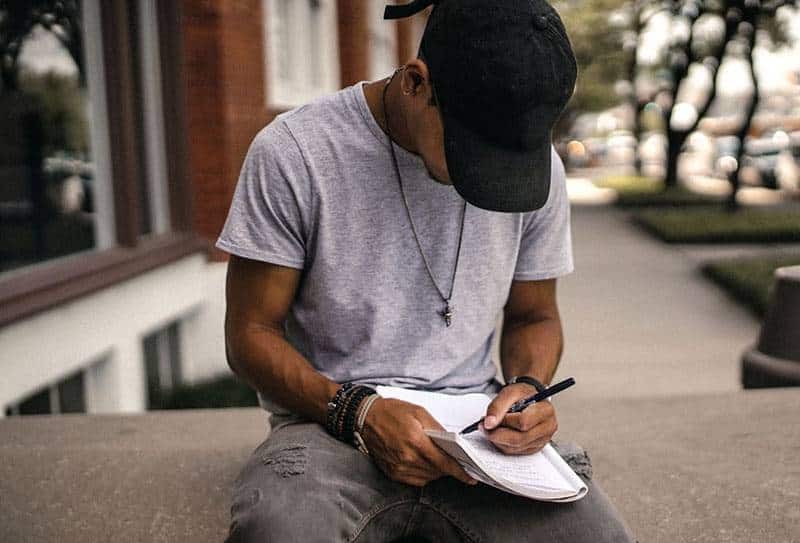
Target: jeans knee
<point>259,518</point>
<point>245,520</point>
<point>613,531</point>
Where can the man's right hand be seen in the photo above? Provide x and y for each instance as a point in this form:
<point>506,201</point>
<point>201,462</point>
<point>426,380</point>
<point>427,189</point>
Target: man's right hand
<point>394,432</point>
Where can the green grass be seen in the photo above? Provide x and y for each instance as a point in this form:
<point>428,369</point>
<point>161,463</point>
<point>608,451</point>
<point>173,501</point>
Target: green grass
<point>716,225</point>
<point>748,280</point>
<point>672,197</point>
<point>217,393</point>
<point>636,191</point>
<point>631,184</point>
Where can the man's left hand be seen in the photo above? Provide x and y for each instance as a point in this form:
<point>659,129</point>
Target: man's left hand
<point>525,432</point>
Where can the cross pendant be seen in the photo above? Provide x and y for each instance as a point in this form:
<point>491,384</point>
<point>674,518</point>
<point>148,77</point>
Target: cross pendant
<point>447,314</point>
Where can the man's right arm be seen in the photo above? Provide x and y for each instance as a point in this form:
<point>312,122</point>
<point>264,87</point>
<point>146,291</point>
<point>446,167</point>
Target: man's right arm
<point>259,296</point>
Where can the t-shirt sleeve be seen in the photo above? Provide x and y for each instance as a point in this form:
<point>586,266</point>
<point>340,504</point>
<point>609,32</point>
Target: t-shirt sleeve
<point>269,217</point>
<point>546,244</point>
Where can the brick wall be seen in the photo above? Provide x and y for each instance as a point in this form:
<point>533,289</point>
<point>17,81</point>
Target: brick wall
<point>224,46</point>
<point>353,41</point>
<point>409,34</point>
<point>226,102</point>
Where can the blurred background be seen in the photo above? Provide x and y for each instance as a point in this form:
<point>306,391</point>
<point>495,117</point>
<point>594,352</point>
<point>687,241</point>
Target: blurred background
<point>123,126</point>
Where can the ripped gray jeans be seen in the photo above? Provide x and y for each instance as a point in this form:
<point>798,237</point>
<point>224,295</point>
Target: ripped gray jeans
<point>301,484</point>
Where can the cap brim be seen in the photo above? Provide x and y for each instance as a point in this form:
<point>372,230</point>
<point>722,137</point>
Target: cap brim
<point>493,177</point>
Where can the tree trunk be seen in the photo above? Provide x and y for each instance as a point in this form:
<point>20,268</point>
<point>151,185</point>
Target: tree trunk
<point>733,177</point>
<point>8,72</point>
<point>675,141</point>
<point>677,138</point>
<point>631,70</point>
<point>678,70</point>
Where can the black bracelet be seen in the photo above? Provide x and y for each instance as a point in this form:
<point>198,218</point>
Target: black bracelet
<point>351,415</point>
<point>538,385</point>
<point>343,411</point>
<point>334,407</point>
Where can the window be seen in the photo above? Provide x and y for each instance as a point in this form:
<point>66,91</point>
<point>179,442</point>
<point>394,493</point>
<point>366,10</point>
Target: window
<point>162,364</point>
<point>418,23</point>
<point>66,396</point>
<point>93,178</point>
<point>302,50</point>
<point>382,42</point>
<point>152,154</point>
<point>47,175</point>
<point>57,193</point>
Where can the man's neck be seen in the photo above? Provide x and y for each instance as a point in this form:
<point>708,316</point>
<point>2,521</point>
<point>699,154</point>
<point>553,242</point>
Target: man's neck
<point>373,92</point>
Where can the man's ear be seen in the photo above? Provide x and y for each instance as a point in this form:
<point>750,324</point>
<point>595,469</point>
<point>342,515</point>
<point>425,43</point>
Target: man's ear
<point>416,78</point>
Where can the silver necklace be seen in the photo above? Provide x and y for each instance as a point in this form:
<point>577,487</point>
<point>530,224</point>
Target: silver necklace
<point>447,312</point>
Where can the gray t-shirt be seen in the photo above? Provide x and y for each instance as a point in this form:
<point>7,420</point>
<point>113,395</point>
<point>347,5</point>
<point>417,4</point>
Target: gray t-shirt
<point>318,192</point>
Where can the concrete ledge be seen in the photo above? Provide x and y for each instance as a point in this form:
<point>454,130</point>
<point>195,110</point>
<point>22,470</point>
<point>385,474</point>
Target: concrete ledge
<point>761,370</point>
<point>721,468</point>
<point>162,476</point>
<point>716,468</point>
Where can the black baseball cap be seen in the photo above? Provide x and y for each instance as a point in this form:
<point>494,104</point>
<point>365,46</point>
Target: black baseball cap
<point>502,73</point>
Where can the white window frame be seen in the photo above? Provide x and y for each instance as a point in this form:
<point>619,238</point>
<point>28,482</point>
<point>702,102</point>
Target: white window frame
<point>103,186</point>
<point>154,139</point>
<point>382,42</point>
<point>155,167</point>
<point>418,24</point>
<point>313,52</point>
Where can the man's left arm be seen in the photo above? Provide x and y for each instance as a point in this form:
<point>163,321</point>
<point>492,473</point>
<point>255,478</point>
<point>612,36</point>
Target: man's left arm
<point>531,344</point>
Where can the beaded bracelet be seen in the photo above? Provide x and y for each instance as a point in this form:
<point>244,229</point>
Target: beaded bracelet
<point>334,406</point>
<point>343,410</point>
<point>351,411</point>
<point>342,413</point>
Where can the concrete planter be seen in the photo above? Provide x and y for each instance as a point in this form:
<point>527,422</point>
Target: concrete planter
<point>775,360</point>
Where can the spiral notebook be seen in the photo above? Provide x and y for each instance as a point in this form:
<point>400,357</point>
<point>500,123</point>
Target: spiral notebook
<point>543,476</point>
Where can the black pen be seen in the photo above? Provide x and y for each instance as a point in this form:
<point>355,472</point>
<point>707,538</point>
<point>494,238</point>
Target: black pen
<point>519,405</point>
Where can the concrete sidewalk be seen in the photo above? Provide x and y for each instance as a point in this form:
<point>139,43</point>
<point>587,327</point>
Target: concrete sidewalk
<point>683,451</point>
<point>720,467</point>
<point>639,319</point>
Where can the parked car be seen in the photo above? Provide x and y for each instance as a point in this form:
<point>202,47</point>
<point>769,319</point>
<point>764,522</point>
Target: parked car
<point>653,154</point>
<point>621,149</point>
<point>763,154</point>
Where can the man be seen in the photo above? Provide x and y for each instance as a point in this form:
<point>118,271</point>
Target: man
<point>376,235</point>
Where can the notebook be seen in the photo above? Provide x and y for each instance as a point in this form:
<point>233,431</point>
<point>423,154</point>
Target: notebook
<point>543,476</point>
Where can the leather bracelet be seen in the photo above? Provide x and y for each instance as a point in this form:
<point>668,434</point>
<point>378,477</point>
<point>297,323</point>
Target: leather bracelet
<point>527,379</point>
<point>363,409</point>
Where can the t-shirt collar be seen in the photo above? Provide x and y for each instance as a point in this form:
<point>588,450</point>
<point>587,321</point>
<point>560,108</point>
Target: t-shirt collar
<point>403,155</point>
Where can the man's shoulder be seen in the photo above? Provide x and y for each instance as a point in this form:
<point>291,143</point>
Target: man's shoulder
<point>557,198</point>
<point>325,117</point>
<point>300,143</point>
